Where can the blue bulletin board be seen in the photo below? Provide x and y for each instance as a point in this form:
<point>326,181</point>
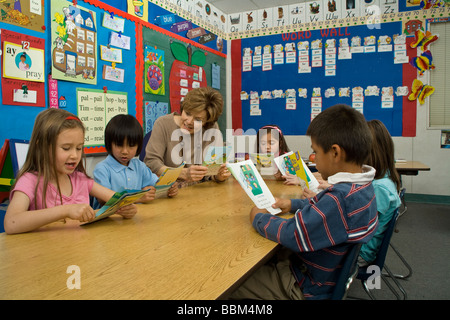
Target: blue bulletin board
<point>371,68</point>
<point>18,121</point>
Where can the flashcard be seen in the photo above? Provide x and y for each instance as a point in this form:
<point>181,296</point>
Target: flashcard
<point>388,6</point>
<point>314,11</point>
<point>316,92</point>
<point>119,40</point>
<point>372,91</point>
<point>330,92</point>
<point>316,44</point>
<point>113,22</point>
<point>290,93</point>
<point>113,74</point>
<point>244,95</point>
<point>316,106</point>
<point>291,104</point>
<point>265,18</point>
<point>370,8</point>
<point>303,46</point>
<point>332,9</point>
<point>280,16</point>
<point>302,92</point>
<point>402,91</point>
<point>278,54</point>
<point>250,20</point>
<point>235,22</point>
<point>387,97</point>
<point>297,13</point>
<point>266,95</point>
<point>344,92</point>
<point>277,94</point>
<point>350,8</point>
<point>110,54</point>
<point>28,96</point>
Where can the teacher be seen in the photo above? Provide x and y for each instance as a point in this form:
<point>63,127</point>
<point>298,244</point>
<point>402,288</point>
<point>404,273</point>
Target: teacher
<point>176,138</point>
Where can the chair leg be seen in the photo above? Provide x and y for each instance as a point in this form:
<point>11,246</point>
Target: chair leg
<point>367,290</point>
<point>399,286</point>
<point>405,263</point>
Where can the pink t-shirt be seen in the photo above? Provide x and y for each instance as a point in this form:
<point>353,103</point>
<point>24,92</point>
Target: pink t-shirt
<point>81,187</point>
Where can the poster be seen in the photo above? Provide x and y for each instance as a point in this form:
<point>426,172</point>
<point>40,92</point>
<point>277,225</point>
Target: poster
<point>28,14</point>
<point>154,71</point>
<point>95,108</point>
<point>154,110</point>
<point>23,69</point>
<point>74,43</point>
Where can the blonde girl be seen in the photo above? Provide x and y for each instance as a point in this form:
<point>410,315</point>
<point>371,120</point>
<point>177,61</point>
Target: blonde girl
<point>53,185</point>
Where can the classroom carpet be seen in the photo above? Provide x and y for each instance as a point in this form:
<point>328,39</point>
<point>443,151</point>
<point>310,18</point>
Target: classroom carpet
<point>423,239</point>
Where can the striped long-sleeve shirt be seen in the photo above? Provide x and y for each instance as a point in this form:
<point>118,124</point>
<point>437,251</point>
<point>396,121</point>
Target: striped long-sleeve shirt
<point>322,230</point>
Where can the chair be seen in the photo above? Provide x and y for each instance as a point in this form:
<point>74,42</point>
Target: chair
<point>363,273</point>
<point>403,207</point>
<point>144,145</point>
<point>348,273</point>
<point>402,210</point>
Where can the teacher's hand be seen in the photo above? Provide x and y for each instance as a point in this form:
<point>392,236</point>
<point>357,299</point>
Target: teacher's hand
<point>223,173</point>
<point>196,173</point>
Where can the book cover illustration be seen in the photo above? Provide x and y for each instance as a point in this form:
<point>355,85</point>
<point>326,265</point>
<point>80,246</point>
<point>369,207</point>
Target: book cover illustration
<point>293,163</point>
<point>166,180</point>
<point>214,157</point>
<point>117,201</point>
<point>265,163</point>
<point>251,181</point>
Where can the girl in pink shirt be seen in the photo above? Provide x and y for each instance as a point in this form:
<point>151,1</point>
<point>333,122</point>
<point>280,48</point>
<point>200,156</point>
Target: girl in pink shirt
<point>52,184</point>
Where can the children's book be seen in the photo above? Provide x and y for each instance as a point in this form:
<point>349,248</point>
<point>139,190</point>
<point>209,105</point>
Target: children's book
<point>251,181</point>
<point>117,201</point>
<point>166,180</point>
<point>214,157</point>
<point>265,163</point>
<point>293,163</point>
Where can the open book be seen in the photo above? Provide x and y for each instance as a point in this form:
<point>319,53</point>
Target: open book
<point>292,162</point>
<point>214,157</point>
<point>166,180</point>
<point>117,201</point>
<point>251,181</point>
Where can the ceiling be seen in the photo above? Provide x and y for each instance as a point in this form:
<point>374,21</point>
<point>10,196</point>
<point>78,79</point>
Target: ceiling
<point>233,6</point>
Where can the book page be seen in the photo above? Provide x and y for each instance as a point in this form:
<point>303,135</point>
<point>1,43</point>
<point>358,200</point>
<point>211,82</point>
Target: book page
<point>251,181</point>
<point>117,201</point>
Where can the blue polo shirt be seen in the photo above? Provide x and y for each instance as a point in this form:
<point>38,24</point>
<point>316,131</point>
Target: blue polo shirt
<point>115,176</point>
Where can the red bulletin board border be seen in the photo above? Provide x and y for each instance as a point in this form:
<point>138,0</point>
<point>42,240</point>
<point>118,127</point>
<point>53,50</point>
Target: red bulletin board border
<point>409,111</point>
<point>236,67</point>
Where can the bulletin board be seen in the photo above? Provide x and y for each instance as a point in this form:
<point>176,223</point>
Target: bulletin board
<point>18,118</point>
<point>159,39</point>
<point>371,70</point>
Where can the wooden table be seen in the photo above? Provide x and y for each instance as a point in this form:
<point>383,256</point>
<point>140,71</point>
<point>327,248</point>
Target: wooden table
<point>411,168</point>
<point>198,245</point>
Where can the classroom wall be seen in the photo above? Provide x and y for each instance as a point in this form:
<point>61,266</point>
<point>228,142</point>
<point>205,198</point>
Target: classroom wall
<point>424,147</point>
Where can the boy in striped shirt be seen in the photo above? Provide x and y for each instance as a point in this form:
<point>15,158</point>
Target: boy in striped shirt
<point>323,227</point>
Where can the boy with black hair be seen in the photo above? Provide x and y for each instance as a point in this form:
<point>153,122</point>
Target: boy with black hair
<point>121,169</point>
<point>324,227</point>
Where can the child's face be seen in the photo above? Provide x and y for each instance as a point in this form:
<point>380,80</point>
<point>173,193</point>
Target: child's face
<point>268,144</point>
<point>323,160</point>
<point>69,149</point>
<point>123,154</point>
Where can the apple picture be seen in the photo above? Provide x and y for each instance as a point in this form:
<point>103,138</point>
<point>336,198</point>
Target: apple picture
<point>186,73</point>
